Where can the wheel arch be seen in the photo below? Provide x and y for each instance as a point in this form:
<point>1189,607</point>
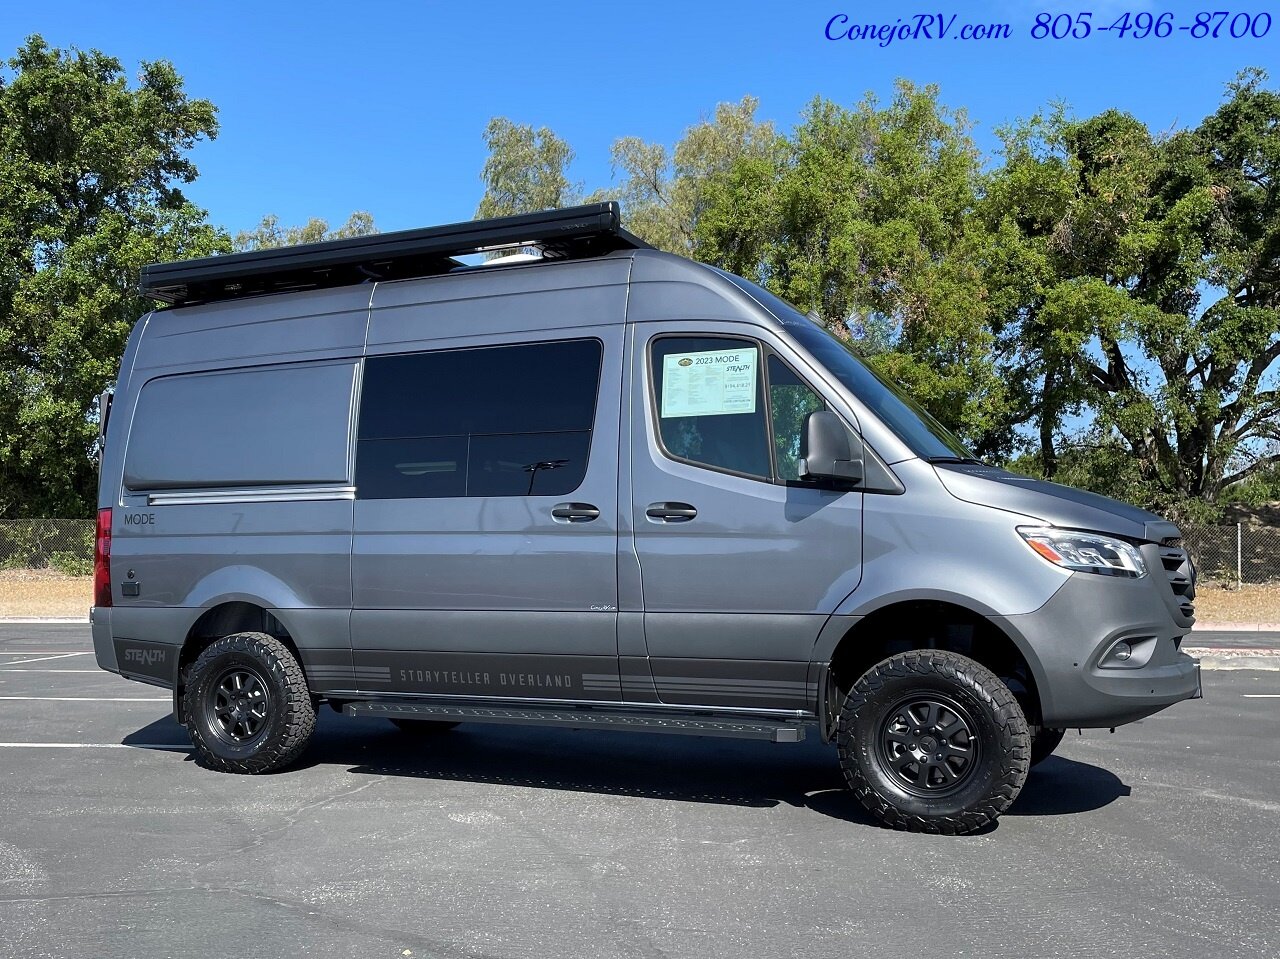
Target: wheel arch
<point>224,619</point>
<point>924,623</point>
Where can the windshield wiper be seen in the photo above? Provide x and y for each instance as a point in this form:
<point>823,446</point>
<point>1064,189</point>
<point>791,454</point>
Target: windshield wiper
<point>966,460</point>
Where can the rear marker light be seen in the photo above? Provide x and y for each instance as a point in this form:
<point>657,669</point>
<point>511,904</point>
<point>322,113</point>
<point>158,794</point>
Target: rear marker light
<point>102,560</point>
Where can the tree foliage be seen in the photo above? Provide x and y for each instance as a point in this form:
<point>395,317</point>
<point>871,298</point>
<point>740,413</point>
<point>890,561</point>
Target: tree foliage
<point>665,193</point>
<point>526,170</point>
<point>1099,303</point>
<point>91,171</point>
<point>1146,273</point>
<point>269,234</point>
<point>866,217</point>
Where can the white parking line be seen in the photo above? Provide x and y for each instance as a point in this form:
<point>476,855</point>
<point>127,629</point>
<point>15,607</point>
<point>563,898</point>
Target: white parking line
<point>95,746</point>
<point>41,659</point>
<point>87,699</point>
<point>1261,695</point>
<point>46,652</point>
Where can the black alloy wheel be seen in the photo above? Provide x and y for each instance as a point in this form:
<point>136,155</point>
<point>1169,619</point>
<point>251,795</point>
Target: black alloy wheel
<point>932,741</point>
<point>930,745</point>
<point>248,708</point>
<point>241,704</point>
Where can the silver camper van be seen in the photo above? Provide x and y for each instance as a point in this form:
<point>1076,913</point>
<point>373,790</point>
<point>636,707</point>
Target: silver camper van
<point>605,488</point>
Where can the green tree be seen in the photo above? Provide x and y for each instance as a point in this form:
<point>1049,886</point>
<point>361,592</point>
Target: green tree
<point>90,190</point>
<point>666,192</point>
<point>1023,200</point>
<point>526,170</point>
<point>1149,288</point>
<point>1260,489</point>
<point>866,216</point>
<point>269,234</point>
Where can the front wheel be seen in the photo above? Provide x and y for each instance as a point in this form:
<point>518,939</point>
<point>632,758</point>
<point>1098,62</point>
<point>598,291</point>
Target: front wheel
<point>932,741</point>
<point>248,707</point>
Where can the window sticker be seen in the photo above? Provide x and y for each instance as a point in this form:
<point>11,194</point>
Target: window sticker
<point>709,384</point>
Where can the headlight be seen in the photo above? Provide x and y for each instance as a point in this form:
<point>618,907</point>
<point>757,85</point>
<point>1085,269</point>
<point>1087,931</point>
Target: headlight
<point>1085,552</point>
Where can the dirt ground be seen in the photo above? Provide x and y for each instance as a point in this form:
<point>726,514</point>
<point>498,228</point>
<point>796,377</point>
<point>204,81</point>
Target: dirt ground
<point>1248,604</point>
<point>44,592</point>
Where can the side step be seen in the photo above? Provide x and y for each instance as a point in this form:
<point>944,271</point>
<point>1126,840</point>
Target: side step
<point>587,718</point>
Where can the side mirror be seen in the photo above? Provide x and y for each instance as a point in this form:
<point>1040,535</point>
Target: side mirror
<point>828,451</point>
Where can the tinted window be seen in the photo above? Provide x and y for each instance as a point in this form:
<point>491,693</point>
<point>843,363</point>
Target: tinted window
<point>790,403</point>
<point>710,397</point>
<point>280,426</point>
<point>498,421</point>
<point>522,464</point>
<point>422,466</point>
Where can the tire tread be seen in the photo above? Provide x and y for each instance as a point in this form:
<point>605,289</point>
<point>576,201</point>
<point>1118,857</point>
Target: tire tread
<point>1015,739</point>
<point>300,713</point>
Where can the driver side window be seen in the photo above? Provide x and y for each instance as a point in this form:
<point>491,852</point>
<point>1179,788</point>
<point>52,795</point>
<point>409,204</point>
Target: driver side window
<point>726,404</point>
<point>710,398</point>
<point>790,403</point>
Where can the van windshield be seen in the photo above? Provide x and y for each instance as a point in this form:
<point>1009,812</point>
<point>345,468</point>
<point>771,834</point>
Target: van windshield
<point>910,421</point>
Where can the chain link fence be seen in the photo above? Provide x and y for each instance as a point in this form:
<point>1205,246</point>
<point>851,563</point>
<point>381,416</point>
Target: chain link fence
<point>65,545</point>
<point>1235,555</point>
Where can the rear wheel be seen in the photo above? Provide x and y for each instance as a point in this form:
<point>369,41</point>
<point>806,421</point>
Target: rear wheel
<point>1044,742</point>
<point>932,741</point>
<point>248,709</point>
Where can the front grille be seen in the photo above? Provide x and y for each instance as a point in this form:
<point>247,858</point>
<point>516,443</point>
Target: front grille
<point>1181,573</point>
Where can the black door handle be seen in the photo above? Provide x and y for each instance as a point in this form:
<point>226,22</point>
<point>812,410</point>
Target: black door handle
<point>671,512</point>
<point>575,512</point>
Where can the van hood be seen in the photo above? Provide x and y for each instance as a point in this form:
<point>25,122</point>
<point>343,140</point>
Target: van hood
<point>1051,502</point>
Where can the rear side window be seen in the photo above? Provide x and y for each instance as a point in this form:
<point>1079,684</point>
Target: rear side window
<point>495,421</point>
<point>248,428</point>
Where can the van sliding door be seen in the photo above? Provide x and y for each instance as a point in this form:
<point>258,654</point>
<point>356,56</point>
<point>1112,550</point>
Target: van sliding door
<point>486,520</point>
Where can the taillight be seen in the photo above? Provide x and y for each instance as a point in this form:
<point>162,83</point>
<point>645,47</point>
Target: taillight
<point>102,560</point>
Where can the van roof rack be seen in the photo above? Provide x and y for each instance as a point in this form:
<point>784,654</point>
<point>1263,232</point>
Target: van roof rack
<point>569,233</point>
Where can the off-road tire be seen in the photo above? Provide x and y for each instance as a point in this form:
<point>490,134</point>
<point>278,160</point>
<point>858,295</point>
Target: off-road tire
<point>1044,742</point>
<point>423,727</point>
<point>992,723</point>
<point>259,738</point>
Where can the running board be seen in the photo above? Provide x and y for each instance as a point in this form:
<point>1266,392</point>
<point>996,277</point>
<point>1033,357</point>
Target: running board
<point>650,722</point>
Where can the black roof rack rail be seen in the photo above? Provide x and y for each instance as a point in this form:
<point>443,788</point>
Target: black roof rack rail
<point>572,232</point>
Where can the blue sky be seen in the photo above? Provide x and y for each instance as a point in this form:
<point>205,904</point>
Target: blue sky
<point>328,107</point>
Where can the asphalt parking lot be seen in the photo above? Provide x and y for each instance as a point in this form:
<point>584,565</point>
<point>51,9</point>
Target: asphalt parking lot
<point>1160,840</point>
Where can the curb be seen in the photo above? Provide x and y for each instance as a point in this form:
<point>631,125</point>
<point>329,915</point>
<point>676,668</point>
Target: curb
<point>1227,626</point>
<point>1229,657</point>
<point>47,620</point>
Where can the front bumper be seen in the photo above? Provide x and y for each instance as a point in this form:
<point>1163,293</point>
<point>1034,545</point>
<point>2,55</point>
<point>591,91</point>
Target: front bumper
<point>1067,640</point>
